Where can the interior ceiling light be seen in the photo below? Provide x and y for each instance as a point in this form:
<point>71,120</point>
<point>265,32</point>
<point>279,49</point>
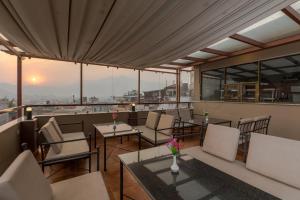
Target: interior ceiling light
<point>263,22</point>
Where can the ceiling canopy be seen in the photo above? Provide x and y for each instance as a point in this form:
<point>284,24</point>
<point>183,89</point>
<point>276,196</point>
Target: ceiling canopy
<point>128,33</point>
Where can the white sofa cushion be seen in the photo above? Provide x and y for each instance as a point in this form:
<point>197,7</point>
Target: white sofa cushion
<point>89,186</point>
<point>23,180</point>
<point>52,135</point>
<point>221,141</point>
<point>238,170</point>
<point>166,121</point>
<point>56,126</point>
<point>275,157</point>
<point>152,120</point>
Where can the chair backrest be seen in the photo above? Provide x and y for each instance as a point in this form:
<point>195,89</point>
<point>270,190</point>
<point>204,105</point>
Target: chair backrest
<point>261,124</point>
<point>56,126</point>
<point>51,135</point>
<point>24,180</point>
<point>185,114</point>
<point>275,157</point>
<point>152,120</point>
<point>166,122</point>
<point>245,125</point>
<point>173,112</point>
<point>221,141</point>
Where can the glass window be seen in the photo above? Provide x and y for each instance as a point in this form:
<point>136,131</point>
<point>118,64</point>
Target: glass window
<point>229,45</point>
<point>158,87</point>
<point>186,86</point>
<point>274,27</point>
<point>213,85</point>
<point>280,80</point>
<point>202,54</point>
<point>242,83</point>
<point>109,85</point>
<point>50,82</point>
<point>8,85</point>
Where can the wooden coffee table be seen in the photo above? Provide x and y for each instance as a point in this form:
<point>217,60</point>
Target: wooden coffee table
<point>122,129</point>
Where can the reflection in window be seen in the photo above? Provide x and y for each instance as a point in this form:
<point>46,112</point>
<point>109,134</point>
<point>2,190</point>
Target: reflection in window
<point>212,84</point>
<point>158,87</point>
<point>186,86</point>
<point>280,80</point>
<point>241,83</point>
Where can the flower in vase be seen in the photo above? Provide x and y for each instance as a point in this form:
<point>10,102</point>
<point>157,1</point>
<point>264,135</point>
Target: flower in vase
<point>174,146</point>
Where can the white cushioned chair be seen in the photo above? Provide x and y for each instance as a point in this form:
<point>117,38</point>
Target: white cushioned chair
<point>64,148</point>
<point>221,141</point>
<point>275,157</point>
<point>159,134</point>
<point>23,180</point>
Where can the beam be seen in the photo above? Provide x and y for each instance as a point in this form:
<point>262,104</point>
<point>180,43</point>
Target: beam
<point>177,86</point>
<point>217,52</point>
<point>292,13</point>
<point>9,47</point>
<point>19,85</point>
<point>247,40</point>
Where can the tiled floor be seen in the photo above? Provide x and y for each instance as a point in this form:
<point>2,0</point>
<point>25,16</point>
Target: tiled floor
<point>111,177</point>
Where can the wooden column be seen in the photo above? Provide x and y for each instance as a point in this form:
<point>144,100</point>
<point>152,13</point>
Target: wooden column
<point>178,86</point>
<point>19,85</point>
<point>139,87</point>
<point>81,85</point>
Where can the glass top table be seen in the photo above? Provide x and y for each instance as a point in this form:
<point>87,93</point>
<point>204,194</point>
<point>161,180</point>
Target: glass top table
<point>195,180</point>
<point>107,131</point>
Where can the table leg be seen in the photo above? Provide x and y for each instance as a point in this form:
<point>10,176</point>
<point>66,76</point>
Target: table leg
<point>104,157</point>
<point>140,145</point>
<point>121,140</point>
<point>121,180</point>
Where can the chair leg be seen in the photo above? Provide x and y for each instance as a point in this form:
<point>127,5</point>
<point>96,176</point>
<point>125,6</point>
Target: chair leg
<point>90,163</point>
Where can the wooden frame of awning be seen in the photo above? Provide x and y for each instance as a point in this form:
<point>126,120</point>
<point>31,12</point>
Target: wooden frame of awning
<point>255,45</point>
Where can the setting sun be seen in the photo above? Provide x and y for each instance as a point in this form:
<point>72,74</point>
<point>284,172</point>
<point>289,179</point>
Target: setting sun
<point>34,79</point>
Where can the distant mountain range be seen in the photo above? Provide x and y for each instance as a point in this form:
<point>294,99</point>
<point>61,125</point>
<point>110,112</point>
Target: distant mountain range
<point>100,88</point>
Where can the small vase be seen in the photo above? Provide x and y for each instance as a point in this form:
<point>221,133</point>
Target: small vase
<point>174,166</point>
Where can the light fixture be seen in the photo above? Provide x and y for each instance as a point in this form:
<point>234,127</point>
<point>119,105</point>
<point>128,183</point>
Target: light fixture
<point>133,107</point>
<point>28,113</point>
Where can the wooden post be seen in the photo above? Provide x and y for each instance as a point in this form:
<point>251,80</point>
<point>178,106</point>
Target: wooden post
<point>139,87</point>
<point>177,86</point>
<point>81,85</point>
<point>19,85</point>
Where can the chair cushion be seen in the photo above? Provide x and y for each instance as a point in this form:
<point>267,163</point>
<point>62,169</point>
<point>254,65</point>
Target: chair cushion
<point>149,135</point>
<point>69,149</point>
<point>89,186</point>
<point>275,157</point>
<point>52,135</point>
<point>238,170</point>
<point>185,114</point>
<point>56,126</point>
<point>260,118</point>
<point>152,120</point>
<point>24,180</point>
<point>166,121</point>
<point>221,141</point>
<point>73,136</point>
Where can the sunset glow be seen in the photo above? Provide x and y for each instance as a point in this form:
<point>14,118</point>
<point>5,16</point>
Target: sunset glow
<point>34,80</point>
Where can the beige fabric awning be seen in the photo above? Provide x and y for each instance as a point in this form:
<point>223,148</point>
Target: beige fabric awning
<point>129,33</point>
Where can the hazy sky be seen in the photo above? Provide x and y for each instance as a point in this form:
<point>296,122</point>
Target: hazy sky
<point>53,75</point>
